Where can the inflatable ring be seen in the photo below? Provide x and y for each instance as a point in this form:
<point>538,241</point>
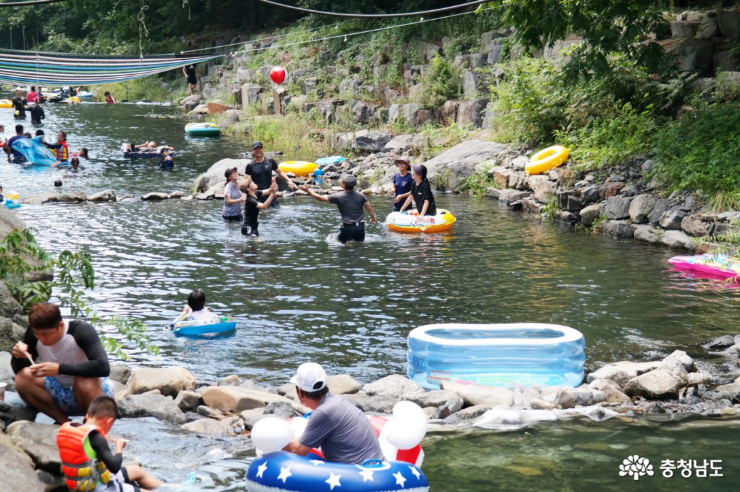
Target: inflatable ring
<point>496,354</point>
<point>12,195</point>
<point>6,103</point>
<point>546,159</point>
<point>215,325</point>
<point>407,222</point>
<point>202,130</point>
<point>299,168</point>
<point>11,203</point>
<point>325,161</point>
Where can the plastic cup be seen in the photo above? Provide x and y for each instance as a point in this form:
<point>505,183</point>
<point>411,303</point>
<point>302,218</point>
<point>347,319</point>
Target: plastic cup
<point>2,390</point>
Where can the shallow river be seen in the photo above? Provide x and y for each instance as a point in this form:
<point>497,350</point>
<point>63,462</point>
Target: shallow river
<point>299,296</point>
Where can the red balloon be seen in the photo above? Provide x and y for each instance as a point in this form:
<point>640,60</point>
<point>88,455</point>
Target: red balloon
<point>277,74</point>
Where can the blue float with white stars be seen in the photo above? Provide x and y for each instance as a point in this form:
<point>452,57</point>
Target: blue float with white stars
<point>287,472</point>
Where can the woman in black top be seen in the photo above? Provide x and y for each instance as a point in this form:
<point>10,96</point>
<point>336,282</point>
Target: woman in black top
<point>421,192</point>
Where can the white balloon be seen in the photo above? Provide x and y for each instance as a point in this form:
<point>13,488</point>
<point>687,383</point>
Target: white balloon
<point>389,450</point>
<point>407,410</point>
<point>405,433</point>
<point>299,426</point>
<point>272,434</point>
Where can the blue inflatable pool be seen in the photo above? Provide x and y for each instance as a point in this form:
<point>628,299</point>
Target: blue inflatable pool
<point>34,152</point>
<point>325,161</point>
<point>496,355</point>
<point>283,471</point>
<point>209,326</point>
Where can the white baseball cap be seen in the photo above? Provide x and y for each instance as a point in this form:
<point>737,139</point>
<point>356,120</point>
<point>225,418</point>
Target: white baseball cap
<point>310,377</point>
<point>18,88</point>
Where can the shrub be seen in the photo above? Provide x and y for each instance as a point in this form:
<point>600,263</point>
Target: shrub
<point>440,83</point>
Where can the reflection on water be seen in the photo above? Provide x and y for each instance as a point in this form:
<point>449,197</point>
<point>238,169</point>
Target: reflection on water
<point>298,297</point>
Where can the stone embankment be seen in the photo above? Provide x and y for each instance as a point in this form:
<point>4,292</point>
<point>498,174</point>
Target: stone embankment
<point>232,405</point>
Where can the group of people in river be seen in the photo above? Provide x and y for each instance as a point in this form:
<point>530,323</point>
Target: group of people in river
<point>60,149</point>
<point>258,189</point>
<point>62,370</point>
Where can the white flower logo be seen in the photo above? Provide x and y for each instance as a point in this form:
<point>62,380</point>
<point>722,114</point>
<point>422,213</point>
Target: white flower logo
<point>636,467</point>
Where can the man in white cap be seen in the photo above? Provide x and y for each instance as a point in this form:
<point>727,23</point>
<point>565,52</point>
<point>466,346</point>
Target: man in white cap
<point>341,429</point>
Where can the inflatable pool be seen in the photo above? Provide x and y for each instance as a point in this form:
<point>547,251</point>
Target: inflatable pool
<point>325,161</point>
<point>546,159</point>
<point>299,168</point>
<point>721,266</point>
<point>411,222</point>
<point>496,354</point>
<point>34,152</point>
<point>6,103</point>
<point>214,325</point>
<point>202,130</point>
<point>283,471</point>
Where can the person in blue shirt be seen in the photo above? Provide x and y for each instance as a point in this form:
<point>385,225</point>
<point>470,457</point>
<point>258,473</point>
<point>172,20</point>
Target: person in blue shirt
<point>402,182</point>
<point>17,157</point>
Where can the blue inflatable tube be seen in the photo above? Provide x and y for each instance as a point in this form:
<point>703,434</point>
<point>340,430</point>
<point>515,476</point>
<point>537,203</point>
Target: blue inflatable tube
<point>215,325</point>
<point>283,471</point>
<point>9,203</point>
<point>496,355</point>
<point>34,152</point>
<point>325,161</point>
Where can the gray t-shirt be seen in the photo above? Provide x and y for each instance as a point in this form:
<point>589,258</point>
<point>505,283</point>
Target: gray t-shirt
<point>350,205</point>
<point>343,432</point>
<point>232,191</point>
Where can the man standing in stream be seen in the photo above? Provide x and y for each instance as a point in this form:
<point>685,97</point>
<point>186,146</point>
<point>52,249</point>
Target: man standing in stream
<point>260,170</point>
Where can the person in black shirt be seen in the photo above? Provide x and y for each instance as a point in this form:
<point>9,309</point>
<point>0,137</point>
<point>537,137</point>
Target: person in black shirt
<point>260,170</point>
<point>191,76</point>
<point>421,192</point>
<point>37,114</point>
<point>350,204</point>
<point>252,205</point>
<point>20,105</point>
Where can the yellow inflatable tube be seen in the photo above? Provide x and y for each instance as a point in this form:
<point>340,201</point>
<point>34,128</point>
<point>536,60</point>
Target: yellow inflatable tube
<point>546,159</point>
<point>398,222</point>
<point>299,168</point>
<point>6,103</point>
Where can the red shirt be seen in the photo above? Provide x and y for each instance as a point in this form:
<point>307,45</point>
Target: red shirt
<point>32,97</point>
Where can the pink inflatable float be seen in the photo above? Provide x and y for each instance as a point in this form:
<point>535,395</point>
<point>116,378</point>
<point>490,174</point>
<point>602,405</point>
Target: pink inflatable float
<point>718,266</point>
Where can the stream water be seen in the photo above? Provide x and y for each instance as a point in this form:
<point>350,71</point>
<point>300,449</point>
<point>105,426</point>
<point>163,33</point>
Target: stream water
<point>299,296</point>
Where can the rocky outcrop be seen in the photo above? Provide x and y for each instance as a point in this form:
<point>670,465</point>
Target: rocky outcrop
<point>169,381</point>
<point>480,395</point>
<point>17,468</point>
<point>393,386</point>
<point>151,404</point>
<point>460,162</point>
<point>9,221</point>
<point>215,173</point>
<point>39,441</point>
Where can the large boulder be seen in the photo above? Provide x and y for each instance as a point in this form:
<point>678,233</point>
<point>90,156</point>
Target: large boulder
<point>151,405</point>
<point>660,384</point>
<point>10,334</point>
<point>446,115</point>
<point>231,399</point>
<point>103,196</point>
<point>671,219</point>
<point>620,229</point>
<point>461,161</point>
<point>472,112</point>
<point>190,102</point>
<point>120,373</point>
<point>678,240</point>
<point>660,207</point>
<point>641,207</point>
<point>694,226</point>
<point>9,307</point>
<point>623,371</point>
<point>729,23</point>
<point>589,214</point>
<point>251,93</point>
<point>433,398</point>
<point>39,441</point>
<point>473,394</point>
<point>367,403</point>
<point>9,220</point>
<point>400,144</point>
<point>475,84</point>
<point>215,173</point>
<point>363,112</point>
<point>169,381</point>
<point>343,384</point>
<point>690,54</point>
<point>17,469</point>
<point>188,401</point>
<point>427,51</point>
<point>616,207</point>
<point>372,141</point>
<point>395,386</point>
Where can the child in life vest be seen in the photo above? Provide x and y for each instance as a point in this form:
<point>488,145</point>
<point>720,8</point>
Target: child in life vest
<point>87,462</point>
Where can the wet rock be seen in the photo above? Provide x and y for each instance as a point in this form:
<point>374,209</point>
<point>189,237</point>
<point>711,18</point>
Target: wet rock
<point>151,405</point>
<point>103,196</point>
<point>474,394</point>
<point>16,468</point>
<point>623,371</point>
<point>654,408</point>
<point>731,390</point>
<point>39,441</point>
<point>342,384</point>
<point>176,194</point>
<point>720,343</point>
<point>120,373</point>
<point>394,386</point>
<point>620,229</point>
<point>616,208</point>
<point>188,401</point>
<point>523,395</point>
<point>280,409</point>
<point>232,380</point>
<point>373,404</point>
<point>509,196</point>
<point>231,399</point>
<point>590,214</point>
<point>682,358</point>
<point>207,426</point>
<point>154,197</point>
<point>671,219</point>
<point>572,397</point>
<point>641,207</point>
<point>677,239</point>
<point>451,406</point>
<point>645,233</point>
<point>611,389</point>
<point>565,217</point>
<point>662,383</point>
<point>169,381</point>
<point>697,378</point>
<point>694,226</point>
<point>433,398</point>
<point>538,404</point>
<point>34,200</point>
<point>469,413</point>
<point>215,173</point>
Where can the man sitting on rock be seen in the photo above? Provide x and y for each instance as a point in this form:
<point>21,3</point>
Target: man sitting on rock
<point>75,366</point>
<point>343,432</point>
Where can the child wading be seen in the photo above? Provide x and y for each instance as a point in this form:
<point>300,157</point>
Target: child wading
<point>87,462</point>
<point>252,205</point>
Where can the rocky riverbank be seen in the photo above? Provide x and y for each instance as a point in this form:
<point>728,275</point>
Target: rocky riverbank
<point>231,406</point>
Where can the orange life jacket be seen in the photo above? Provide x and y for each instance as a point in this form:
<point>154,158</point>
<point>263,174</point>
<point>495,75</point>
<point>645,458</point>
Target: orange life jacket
<point>62,153</point>
<point>80,465</point>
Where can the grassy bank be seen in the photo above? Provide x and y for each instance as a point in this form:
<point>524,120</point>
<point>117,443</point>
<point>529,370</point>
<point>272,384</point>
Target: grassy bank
<point>152,88</point>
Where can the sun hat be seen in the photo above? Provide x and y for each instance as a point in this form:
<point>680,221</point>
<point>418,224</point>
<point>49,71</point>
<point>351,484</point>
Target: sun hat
<point>310,377</point>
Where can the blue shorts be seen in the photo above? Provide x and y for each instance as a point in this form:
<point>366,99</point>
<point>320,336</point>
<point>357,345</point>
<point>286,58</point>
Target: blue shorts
<point>64,398</point>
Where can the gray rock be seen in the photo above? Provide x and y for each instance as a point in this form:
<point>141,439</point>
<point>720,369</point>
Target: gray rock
<point>481,395</point>
<point>16,468</point>
<point>427,51</point>
<point>469,413</point>
<point>10,334</point>
<point>342,384</point>
<point>399,144</point>
<point>662,383</point>
<point>720,343</point>
<point>690,54</point>
<point>188,401</point>
<point>697,378</point>
<point>39,441</point>
<point>151,405</point>
<point>475,84</point>
<point>677,239</point>
<point>538,404</point>
<point>509,196</point>
<point>169,381</point>
<point>232,380</point>
<point>620,229</point>
<point>732,391</point>
<point>215,174</point>
<point>363,112</point>
<point>472,112</point>
<point>374,404</point>
<point>671,219</point>
<point>103,196</point>
<point>682,358</point>
<point>660,207</point>
<point>280,409</point>
<point>78,197</point>
<point>120,373</point>
<point>433,398</point>
<point>155,197</point>
<point>694,226</point>
<point>7,375</point>
<point>683,29</point>
<point>590,214</point>
<point>647,166</point>
<point>621,372</point>
<point>207,426</point>
<point>729,23</point>
<point>616,207</point>
<point>372,141</point>
<point>9,220</point>
<point>231,399</point>
<point>523,395</point>
<point>572,397</point>
<point>451,406</point>
<point>461,160</point>
<point>590,194</point>
<point>9,307</point>
<point>394,386</point>
<point>645,233</point>
<point>641,207</point>
<point>211,413</point>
